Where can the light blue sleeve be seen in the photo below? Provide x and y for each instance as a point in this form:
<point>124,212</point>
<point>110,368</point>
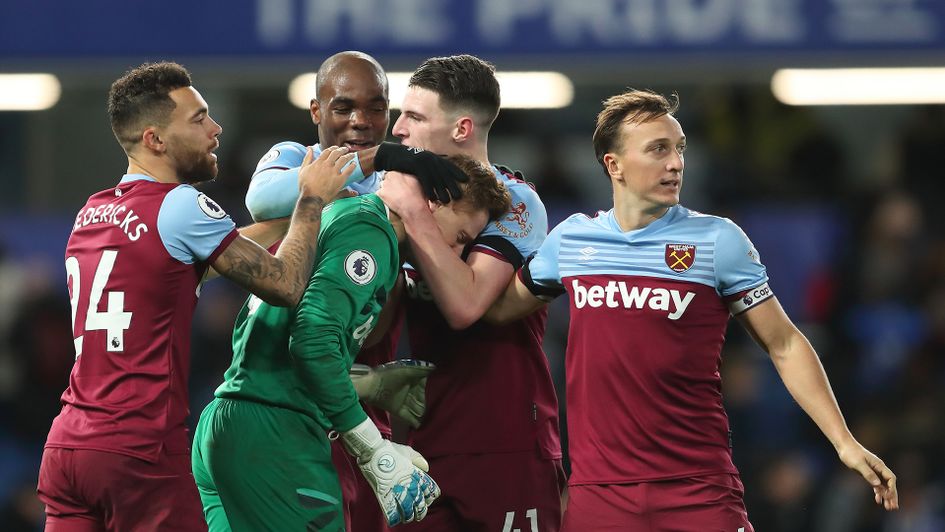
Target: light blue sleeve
<point>544,267</point>
<point>524,227</point>
<point>274,188</point>
<point>738,265</point>
<point>191,225</point>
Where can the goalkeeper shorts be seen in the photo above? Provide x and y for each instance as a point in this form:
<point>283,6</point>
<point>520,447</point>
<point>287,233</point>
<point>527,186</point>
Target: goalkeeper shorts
<point>267,468</point>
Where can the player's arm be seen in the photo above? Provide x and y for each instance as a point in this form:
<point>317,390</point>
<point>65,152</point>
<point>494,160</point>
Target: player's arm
<point>264,233</point>
<point>274,187</point>
<point>804,377</point>
<point>516,302</point>
<point>331,305</point>
<point>462,290</point>
<point>280,279</point>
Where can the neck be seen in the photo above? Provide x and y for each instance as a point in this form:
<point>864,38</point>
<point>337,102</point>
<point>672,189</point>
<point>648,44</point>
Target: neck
<point>152,167</point>
<point>477,150</point>
<point>632,215</point>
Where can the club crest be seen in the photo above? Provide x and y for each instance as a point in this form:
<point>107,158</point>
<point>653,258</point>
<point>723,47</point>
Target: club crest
<point>680,257</point>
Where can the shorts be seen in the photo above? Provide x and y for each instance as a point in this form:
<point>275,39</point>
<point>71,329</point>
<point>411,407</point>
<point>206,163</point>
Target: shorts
<point>494,492</point>
<point>262,468</point>
<point>361,510</point>
<point>86,491</point>
<point>710,503</point>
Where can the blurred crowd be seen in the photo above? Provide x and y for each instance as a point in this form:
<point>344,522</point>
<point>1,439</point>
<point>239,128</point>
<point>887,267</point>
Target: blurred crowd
<point>858,261</point>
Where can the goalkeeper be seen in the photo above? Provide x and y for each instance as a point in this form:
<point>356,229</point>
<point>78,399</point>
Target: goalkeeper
<point>261,453</point>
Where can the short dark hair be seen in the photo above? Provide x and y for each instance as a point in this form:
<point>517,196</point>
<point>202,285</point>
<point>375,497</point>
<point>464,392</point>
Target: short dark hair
<point>634,105</point>
<point>483,190</point>
<point>463,82</point>
<point>141,98</point>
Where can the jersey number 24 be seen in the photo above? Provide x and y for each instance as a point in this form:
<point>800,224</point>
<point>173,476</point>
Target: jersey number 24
<point>115,321</point>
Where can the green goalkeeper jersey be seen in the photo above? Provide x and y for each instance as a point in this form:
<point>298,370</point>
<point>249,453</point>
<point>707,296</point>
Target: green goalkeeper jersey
<point>299,358</point>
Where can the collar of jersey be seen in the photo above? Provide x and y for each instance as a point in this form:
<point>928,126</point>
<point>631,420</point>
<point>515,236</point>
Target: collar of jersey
<point>136,177</point>
<point>655,225</point>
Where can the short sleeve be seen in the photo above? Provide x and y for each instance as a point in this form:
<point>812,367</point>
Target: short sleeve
<point>738,269</point>
<point>192,226</point>
<point>542,274</point>
<point>274,188</point>
<point>518,233</point>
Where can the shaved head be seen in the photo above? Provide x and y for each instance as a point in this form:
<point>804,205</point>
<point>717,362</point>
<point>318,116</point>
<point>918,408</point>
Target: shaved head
<point>351,106</point>
<point>344,64</point>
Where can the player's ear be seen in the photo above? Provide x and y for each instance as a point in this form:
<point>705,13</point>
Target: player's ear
<point>151,140</point>
<point>463,128</point>
<point>315,110</point>
<point>614,168</point>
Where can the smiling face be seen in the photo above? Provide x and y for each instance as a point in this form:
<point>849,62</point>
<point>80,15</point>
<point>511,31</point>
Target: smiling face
<point>649,160</point>
<point>190,137</point>
<point>351,108</point>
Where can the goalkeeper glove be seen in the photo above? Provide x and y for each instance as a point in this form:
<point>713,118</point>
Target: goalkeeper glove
<point>403,490</point>
<point>438,177</point>
<point>398,387</point>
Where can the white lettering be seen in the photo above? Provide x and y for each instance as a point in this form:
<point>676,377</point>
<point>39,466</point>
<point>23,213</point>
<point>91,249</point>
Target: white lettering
<point>680,304</point>
<point>365,22</point>
<point>360,334</point>
<point>660,299</point>
<point>674,302</point>
<point>580,294</point>
<point>645,21</point>
<point>496,18</point>
<point>97,215</point>
<point>118,210</point>
<point>594,293</point>
<point>130,217</point>
<point>612,291</point>
<point>139,229</point>
<point>635,298</point>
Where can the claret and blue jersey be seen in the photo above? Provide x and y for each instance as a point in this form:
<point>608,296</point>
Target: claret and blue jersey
<point>649,310</point>
<point>274,188</point>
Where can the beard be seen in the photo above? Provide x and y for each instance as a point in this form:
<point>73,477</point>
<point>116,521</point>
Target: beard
<point>195,166</point>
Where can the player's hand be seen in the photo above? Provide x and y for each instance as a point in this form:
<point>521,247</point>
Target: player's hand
<point>398,387</point>
<point>403,490</point>
<point>880,477</point>
<point>323,177</point>
<point>402,194</point>
<point>438,177</point>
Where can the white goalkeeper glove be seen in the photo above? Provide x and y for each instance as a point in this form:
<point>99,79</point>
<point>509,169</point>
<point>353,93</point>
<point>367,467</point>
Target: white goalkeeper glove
<point>398,387</point>
<point>403,489</point>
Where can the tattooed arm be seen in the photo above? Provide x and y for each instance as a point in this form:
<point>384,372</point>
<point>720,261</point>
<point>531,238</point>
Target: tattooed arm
<point>281,279</point>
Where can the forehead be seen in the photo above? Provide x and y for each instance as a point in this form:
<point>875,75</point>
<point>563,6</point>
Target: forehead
<point>354,84</point>
<point>422,101</point>
<point>470,220</point>
<point>187,100</point>
<point>663,127</point>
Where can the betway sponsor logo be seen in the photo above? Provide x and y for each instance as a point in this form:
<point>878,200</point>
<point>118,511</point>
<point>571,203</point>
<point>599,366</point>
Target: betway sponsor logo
<point>617,294</point>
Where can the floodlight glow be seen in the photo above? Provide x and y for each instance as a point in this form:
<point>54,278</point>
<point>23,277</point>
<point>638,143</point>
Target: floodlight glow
<point>859,86</point>
<point>520,90</point>
<point>28,92</point>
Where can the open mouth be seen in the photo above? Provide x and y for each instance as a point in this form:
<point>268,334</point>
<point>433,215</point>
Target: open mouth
<point>358,145</point>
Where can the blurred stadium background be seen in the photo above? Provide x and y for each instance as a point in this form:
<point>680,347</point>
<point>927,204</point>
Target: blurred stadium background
<point>840,199</point>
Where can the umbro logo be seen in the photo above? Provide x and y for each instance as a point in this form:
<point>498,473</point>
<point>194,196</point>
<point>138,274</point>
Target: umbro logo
<point>588,253</point>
